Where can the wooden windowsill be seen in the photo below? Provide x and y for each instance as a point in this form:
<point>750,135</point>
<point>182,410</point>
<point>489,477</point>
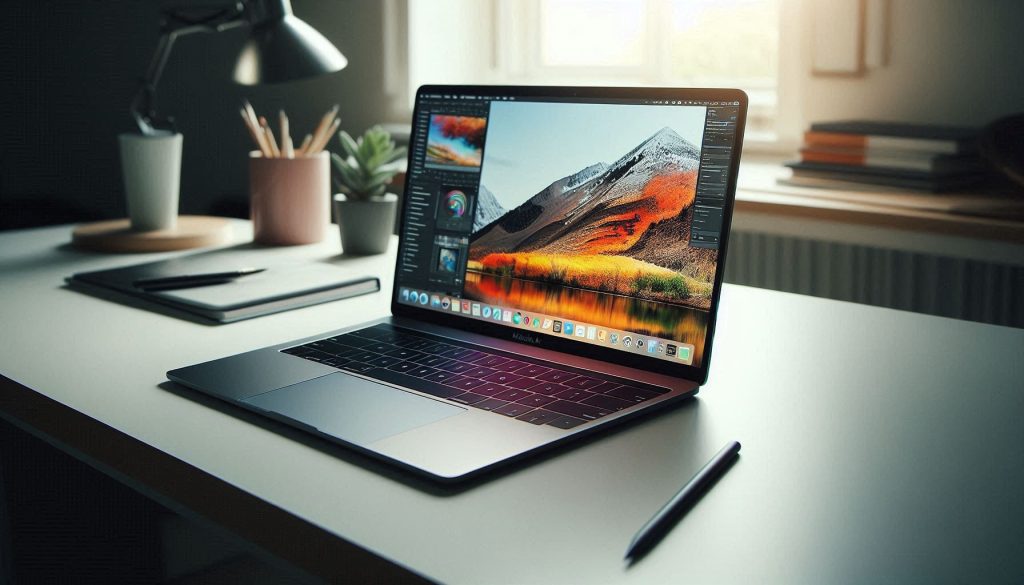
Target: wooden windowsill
<point>973,215</point>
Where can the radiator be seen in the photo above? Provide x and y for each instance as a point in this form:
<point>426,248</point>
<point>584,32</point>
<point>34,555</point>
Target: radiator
<point>951,287</point>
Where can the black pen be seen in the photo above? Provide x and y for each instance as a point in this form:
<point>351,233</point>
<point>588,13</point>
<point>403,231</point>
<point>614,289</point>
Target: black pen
<point>660,524</point>
<point>190,280</point>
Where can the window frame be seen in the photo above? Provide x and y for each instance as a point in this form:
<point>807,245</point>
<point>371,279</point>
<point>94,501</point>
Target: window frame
<point>514,59</point>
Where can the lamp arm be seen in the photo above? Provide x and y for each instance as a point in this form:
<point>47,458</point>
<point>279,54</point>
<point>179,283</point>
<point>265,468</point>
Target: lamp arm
<point>177,24</point>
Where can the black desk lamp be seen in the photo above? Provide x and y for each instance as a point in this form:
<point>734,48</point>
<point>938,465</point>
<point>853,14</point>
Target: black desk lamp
<point>281,47</point>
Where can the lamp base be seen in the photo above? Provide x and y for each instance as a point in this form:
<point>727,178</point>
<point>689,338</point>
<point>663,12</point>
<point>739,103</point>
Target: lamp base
<point>190,231</point>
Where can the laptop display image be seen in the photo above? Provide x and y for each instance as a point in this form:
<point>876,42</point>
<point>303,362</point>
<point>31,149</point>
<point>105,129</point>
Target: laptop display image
<point>582,220</point>
<point>559,268</point>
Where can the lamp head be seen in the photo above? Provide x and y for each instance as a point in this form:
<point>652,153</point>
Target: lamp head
<point>281,47</point>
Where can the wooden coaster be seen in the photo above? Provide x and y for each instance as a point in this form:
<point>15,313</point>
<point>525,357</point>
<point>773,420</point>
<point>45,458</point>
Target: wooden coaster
<point>191,231</point>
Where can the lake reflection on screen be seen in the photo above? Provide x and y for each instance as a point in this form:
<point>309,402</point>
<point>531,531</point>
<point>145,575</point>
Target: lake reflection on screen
<point>591,307</point>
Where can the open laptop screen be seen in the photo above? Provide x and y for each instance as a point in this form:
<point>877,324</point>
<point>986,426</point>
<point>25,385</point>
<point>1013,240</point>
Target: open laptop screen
<point>591,217</point>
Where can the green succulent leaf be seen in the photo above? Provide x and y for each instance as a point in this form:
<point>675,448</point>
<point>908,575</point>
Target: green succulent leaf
<point>366,168</point>
<point>348,144</point>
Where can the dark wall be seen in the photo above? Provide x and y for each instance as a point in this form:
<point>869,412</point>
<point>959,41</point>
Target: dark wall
<point>69,70</point>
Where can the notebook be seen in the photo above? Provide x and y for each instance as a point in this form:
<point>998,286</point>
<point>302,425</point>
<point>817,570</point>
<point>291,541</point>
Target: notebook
<point>287,283</point>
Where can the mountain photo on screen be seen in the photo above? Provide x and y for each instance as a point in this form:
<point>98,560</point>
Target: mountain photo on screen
<point>585,212</point>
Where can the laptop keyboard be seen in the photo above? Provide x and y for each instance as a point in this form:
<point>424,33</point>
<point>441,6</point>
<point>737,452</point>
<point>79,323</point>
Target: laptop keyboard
<point>527,389</point>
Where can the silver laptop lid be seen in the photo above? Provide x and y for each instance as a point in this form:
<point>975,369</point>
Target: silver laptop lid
<point>589,220</point>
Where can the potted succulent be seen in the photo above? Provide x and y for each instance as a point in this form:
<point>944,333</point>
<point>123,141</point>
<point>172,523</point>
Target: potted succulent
<point>364,208</point>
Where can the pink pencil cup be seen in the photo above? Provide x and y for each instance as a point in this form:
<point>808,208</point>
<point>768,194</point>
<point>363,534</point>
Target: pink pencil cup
<point>289,198</point>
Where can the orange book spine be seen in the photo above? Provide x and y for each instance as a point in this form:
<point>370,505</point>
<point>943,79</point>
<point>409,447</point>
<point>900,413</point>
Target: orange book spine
<point>834,139</point>
<point>832,157</point>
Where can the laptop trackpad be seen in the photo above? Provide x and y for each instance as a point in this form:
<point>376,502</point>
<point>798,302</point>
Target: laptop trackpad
<point>353,409</point>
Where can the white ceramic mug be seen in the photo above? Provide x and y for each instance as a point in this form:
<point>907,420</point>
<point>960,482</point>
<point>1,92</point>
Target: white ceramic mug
<point>151,167</point>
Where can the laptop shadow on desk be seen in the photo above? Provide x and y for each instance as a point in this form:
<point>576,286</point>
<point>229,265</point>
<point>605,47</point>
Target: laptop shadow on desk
<point>394,472</point>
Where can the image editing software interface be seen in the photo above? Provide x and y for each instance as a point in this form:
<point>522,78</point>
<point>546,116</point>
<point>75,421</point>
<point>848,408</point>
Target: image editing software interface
<point>593,219</point>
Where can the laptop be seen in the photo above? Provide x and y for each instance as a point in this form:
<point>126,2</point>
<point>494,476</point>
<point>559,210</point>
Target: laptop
<point>559,270</point>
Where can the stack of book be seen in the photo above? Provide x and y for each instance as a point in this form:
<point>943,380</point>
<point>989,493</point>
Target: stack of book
<point>870,155</point>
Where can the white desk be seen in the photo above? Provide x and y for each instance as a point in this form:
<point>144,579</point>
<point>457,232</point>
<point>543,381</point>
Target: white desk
<point>877,445</point>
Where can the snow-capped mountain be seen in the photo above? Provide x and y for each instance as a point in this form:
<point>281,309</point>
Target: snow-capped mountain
<point>487,209</point>
<point>601,208</point>
<point>663,144</point>
<point>575,180</point>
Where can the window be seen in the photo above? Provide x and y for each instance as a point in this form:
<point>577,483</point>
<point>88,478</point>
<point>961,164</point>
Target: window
<point>687,43</point>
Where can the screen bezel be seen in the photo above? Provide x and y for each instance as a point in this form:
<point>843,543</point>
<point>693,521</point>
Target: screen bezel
<point>568,345</point>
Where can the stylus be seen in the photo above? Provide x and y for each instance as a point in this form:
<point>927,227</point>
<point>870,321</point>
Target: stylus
<point>662,522</point>
<point>190,280</point>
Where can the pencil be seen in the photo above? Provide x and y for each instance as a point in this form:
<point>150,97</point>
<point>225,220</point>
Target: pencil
<point>305,144</point>
<point>255,133</point>
<point>275,151</point>
<point>325,123</point>
<point>319,145</point>
<point>286,137</point>
<point>250,113</point>
<point>261,137</point>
